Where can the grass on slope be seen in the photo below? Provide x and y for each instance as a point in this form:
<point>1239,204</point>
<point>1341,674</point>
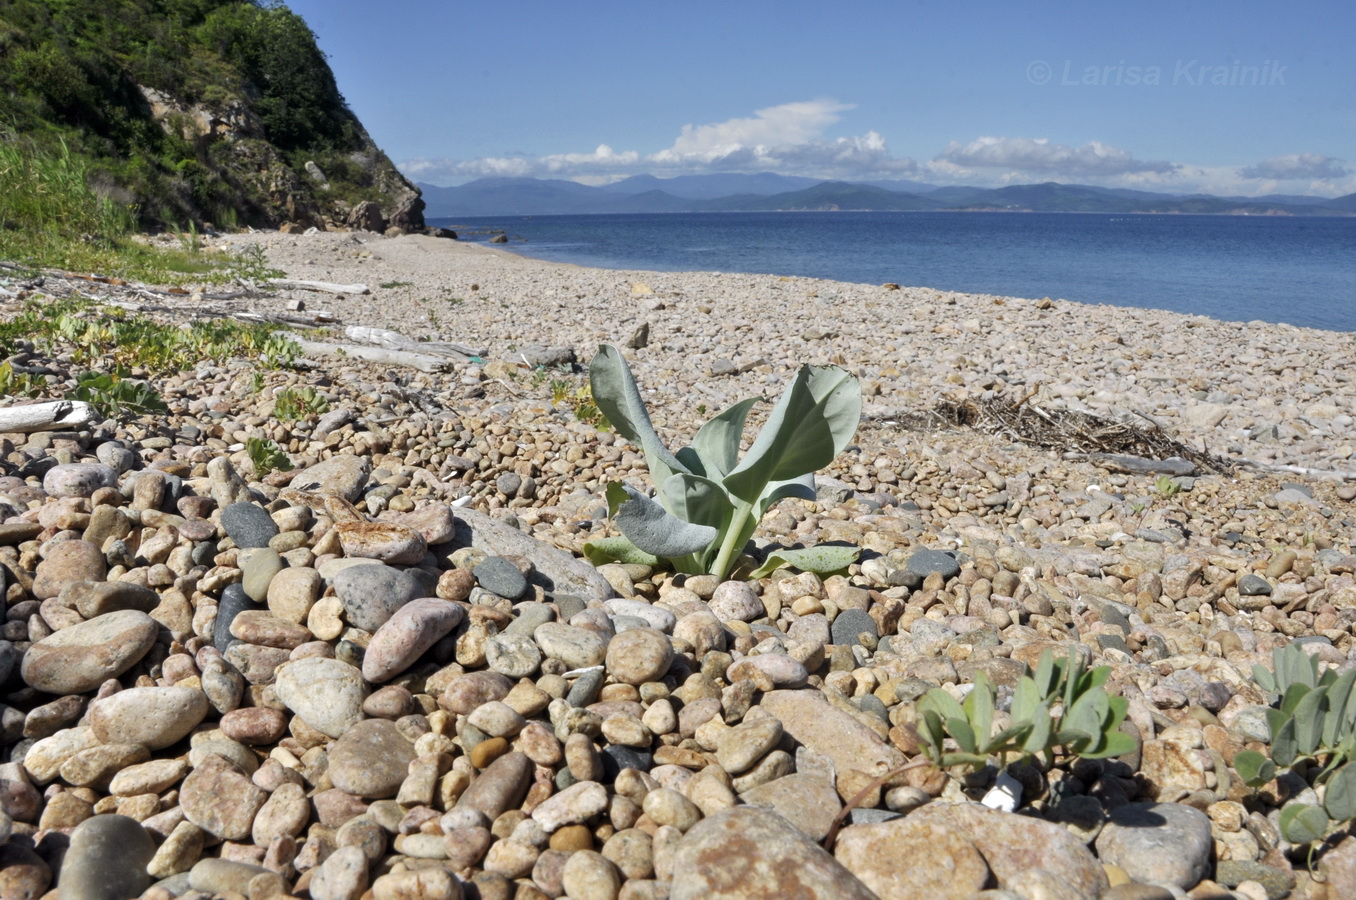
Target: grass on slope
<point>51,217</point>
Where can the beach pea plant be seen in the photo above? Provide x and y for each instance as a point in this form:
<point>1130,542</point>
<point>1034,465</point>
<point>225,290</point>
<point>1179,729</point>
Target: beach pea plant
<point>708,500</point>
<point>1313,723</point>
<point>1061,704</point>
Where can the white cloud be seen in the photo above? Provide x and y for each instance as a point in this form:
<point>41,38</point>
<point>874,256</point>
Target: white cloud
<point>791,139</point>
<point>1039,156</point>
<point>776,126</point>
<point>561,165</point>
<point>788,139</point>
<point>1294,166</point>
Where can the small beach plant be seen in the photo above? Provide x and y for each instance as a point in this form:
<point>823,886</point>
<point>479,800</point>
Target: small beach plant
<point>1061,704</point>
<point>709,501</point>
<point>1313,733</point>
<point>267,456</point>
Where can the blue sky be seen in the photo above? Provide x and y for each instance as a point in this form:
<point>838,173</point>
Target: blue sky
<point>1231,98</point>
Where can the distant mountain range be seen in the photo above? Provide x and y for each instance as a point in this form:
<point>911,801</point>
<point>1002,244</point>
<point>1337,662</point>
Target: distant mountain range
<point>768,192</point>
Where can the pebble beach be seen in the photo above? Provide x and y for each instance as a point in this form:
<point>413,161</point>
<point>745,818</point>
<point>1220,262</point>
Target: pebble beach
<point>390,673</point>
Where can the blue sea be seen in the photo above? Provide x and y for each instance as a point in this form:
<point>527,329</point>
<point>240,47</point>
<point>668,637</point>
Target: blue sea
<point>1299,270</point>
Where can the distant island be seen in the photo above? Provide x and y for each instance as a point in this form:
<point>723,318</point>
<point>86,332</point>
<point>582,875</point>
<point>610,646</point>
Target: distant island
<point>768,192</point>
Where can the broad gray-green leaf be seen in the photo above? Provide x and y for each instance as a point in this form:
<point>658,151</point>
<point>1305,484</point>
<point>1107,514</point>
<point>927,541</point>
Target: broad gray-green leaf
<point>716,446</point>
<point>698,500</point>
<point>616,495</point>
<point>1341,706</point>
<point>930,730</point>
<point>822,560</point>
<point>1040,730</point>
<point>962,734</point>
<point>1046,675</point>
<point>942,703</point>
<point>1026,698</point>
<point>1309,715</point>
<point>1340,797</point>
<point>1254,768</point>
<point>812,423</point>
<point>1302,823</point>
<point>618,398</point>
<point>978,706</point>
<point>617,549</point>
<point>1115,743</point>
<point>803,488</point>
<point>655,530</point>
<point>1284,748</point>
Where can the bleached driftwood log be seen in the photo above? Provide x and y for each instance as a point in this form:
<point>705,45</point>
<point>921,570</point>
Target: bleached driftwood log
<point>326,286</point>
<point>421,361</point>
<point>54,415</point>
<point>1299,470</point>
<point>394,340</point>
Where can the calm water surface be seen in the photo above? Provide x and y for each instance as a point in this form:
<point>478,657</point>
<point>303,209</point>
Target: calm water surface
<point>1300,270</point>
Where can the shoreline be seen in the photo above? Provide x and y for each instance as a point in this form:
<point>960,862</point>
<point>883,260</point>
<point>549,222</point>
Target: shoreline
<point>1227,384</point>
<point>1234,272</point>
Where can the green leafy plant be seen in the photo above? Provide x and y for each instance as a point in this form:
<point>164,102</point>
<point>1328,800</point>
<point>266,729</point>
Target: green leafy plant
<point>1313,722</point>
<point>560,390</point>
<point>116,397</point>
<point>19,384</point>
<point>1063,704</point>
<point>391,285</point>
<point>1167,486</point>
<point>250,264</point>
<point>291,404</point>
<point>267,456</point>
<point>709,500</point>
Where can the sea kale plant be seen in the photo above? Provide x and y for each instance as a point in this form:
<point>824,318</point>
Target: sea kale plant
<point>709,501</point>
<point>1313,733</point>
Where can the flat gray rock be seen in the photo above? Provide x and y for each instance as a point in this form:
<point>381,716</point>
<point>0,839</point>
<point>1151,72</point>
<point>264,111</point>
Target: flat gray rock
<point>557,572</point>
<point>809,719</point>
<point>1158,843</point>
<point>106,860</point>
<point>248,524</point>
<point>343,474</point>
<point>372,594</point>
<point>371,760</point>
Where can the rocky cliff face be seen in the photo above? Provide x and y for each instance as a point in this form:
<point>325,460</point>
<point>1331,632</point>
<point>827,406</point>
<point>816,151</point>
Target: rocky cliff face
<point>367,191</point>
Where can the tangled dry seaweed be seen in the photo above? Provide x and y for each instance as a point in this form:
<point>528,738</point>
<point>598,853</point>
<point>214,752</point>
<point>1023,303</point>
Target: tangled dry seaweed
<point>1064,430</point>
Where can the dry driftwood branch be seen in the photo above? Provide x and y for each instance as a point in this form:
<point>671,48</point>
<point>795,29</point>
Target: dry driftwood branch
<point>54,415</point>
<point>384,337</point>
<point>325,286</point>
<point>311,320</point>
<point>1298,470</point>
<point>421,361</point>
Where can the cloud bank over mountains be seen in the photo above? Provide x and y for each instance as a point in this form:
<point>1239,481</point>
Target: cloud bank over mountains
<point>791,139</point>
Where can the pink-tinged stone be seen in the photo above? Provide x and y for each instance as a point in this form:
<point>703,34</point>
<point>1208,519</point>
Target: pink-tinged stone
<point>411,631</point>
<point>78,479</point>
<point>66,563</point>
<point>81,657</point>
